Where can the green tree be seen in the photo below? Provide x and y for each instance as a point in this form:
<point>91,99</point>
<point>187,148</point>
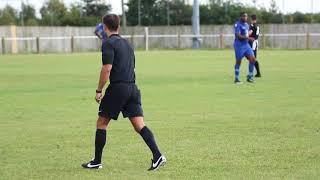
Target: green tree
<point>316,18</point>
<point>147,10</point>
<point>176,12</point>
<point>299,17</point>
<point>52,12</point>
<point>94,8</point>
<point>8,16</point>
<point>28,13</point>
<point>181,13</point>
<point>155,12</point>
<point>216,2</point>
<point>273,7</point>
<point>73,17</point>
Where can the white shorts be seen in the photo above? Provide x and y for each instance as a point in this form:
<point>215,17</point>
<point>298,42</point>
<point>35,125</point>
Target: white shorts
<point>255,45</point>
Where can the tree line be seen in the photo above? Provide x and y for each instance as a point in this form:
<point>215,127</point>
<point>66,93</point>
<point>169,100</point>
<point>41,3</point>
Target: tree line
<point>146,13</point>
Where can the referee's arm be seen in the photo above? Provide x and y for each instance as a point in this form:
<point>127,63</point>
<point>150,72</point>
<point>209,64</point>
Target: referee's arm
<point>104,76</point>
<point>107,61</point>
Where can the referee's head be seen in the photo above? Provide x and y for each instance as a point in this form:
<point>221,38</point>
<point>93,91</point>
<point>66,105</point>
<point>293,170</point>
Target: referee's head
<point>111,23</point>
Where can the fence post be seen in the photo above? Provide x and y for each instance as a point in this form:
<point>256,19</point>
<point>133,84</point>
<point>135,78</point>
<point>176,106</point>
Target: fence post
<point>14,42</point>
<point>72,43</point>
<point>146,38</point>
<point>179,40</point>
<point>38,44</point>
<point>3,45</point>
<point>221,41</point>
<point>308,40</point>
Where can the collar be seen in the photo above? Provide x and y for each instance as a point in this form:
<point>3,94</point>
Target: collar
<point>114,35</point>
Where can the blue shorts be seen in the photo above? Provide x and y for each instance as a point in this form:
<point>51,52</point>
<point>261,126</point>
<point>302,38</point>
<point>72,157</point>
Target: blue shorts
<point>243,51</point>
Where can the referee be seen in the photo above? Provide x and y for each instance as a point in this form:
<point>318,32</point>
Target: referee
<point>122,94</point>
<point>254,32</point>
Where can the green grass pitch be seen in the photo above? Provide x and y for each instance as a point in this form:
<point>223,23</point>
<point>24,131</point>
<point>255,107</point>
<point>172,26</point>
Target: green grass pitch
<point>208,127</point>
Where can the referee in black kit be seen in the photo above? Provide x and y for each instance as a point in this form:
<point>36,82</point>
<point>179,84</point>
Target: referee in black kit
<point>254,32</point>
<point>122,95</point>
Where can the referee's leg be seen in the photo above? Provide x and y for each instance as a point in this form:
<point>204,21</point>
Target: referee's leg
<point>102,122</point>
<point>147,135</point>
<point>100,141</point>
<point>101,135</point>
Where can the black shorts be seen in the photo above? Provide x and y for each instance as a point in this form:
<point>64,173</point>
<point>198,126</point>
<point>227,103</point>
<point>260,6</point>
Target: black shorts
<point>256,53</point>
<point>121,97</point>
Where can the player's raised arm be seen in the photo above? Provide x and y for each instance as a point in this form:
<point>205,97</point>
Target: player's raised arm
<point>97,34</point>
<point>98,31</point>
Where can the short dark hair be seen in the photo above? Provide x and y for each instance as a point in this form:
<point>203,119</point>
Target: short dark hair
<point>242,14</point>
<point>112,21</point>
<point>254,17</point>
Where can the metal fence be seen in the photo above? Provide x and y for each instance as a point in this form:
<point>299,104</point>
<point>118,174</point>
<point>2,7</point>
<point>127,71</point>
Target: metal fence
<point>146,41</point>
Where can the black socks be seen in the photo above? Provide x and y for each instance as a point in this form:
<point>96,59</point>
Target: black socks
<point>99,144</point>
<point>256,65</point>
<point>150,141</point>
<point>145,132</point>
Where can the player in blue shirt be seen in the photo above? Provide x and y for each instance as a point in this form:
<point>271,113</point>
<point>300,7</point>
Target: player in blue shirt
<point>100,32</point>
<point>242,48</point>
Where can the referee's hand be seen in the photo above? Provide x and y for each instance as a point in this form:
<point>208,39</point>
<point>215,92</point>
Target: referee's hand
<point>98,97</point>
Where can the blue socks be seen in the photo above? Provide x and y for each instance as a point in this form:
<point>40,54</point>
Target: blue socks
<point>251,69</point>
<point>237,71</point>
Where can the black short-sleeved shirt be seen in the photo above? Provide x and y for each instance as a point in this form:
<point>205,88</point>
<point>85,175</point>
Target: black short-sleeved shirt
<point>255,31</point>
<point>118,52</point>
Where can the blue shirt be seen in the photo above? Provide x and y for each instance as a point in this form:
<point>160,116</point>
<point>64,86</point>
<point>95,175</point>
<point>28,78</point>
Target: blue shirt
<point>243,29</point>
<point>100,31</point>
